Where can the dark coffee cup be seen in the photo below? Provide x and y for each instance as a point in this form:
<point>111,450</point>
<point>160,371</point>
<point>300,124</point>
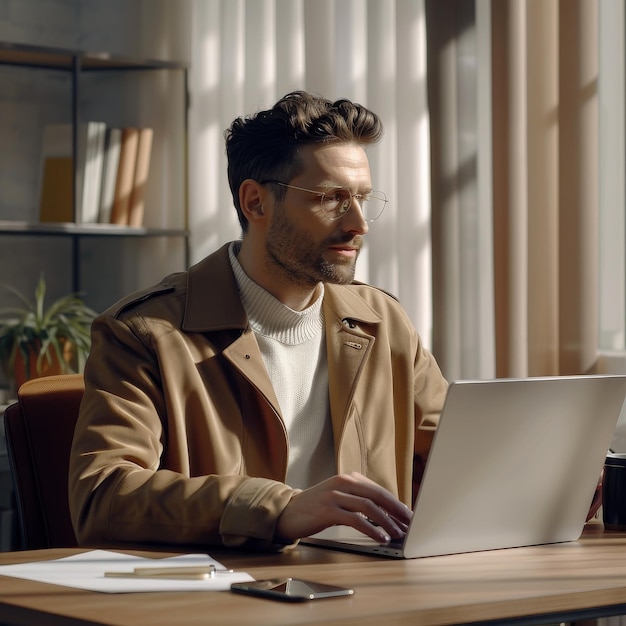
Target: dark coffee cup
<point>614,492</point>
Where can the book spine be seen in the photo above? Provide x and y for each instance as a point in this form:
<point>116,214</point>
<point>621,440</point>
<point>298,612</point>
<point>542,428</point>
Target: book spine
<point>56,202</point>
<point>109,174</point>
<point>56,190</point>
<point>142,167</point>
<point>125,176</point>
<point>93,136</point>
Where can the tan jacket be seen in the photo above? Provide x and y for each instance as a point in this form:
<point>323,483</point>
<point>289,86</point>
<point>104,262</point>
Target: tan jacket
<point>180,438</point>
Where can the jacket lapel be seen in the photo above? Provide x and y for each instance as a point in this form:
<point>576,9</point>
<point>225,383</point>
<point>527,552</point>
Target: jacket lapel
<point>214,306</point>
<point>350,324</point>
<point>244,354</point>
<point>213,301</point>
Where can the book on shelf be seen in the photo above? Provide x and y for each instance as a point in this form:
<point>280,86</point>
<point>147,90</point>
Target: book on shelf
<point>142,168</point>
<point>55,152</point>
<point>94,157</point>
<point>112,149</point>
<point>125,176</point>
<point>57,190</point>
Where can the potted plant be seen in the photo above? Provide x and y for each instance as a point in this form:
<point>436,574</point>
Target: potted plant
<point>38,341</point>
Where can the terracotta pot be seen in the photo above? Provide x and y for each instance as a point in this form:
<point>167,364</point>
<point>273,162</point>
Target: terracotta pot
<point>50,366</point>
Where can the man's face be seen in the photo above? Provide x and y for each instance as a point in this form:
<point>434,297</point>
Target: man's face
<point>304,246</point>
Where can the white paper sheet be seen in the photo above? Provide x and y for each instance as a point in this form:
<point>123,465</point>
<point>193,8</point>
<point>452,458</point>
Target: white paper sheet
<point>86,571</point>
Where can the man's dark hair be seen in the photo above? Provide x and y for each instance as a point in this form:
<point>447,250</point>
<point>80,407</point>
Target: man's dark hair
<point>263,146</point>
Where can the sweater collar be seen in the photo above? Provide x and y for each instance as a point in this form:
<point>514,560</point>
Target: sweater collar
<point>269,316</point>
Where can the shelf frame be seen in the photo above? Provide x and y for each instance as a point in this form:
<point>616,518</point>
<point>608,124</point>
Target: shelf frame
<point>77,62</point>
<point>12,227</point>
<point>45,57</point>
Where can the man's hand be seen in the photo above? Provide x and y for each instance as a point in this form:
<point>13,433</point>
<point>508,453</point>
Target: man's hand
<point>348,500</point>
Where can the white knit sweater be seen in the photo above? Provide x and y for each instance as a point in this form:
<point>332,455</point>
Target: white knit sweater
<point>293,347</point>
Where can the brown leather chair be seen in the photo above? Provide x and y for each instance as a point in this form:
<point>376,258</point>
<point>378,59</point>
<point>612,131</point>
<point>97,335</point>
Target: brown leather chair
<point>39,428</point>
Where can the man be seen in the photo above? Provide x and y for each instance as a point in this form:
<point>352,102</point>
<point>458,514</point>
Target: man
<point>262,396</point>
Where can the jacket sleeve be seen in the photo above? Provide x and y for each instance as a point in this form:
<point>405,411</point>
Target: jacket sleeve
<point>430,394</point>
<point>121,489</point>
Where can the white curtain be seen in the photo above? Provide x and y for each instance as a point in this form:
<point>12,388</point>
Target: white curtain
<point>516,186</point>
<point>246,54</point>
<point>459,90</point>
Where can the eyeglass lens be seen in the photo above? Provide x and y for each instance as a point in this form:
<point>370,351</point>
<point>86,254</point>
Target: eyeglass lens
<point>336,203</point>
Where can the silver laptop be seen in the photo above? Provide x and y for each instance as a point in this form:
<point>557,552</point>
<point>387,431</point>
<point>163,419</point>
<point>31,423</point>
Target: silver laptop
<point>514,462</point>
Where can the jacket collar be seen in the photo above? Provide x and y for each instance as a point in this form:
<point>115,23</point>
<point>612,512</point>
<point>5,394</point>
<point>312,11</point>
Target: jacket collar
<point>213,301</point>
<point>348,305</point>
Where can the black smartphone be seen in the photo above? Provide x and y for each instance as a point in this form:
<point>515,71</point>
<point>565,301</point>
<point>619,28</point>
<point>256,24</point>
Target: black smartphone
<point>290,589</point>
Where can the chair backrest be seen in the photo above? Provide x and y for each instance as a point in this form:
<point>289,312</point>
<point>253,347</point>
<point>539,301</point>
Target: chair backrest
<point>39,428</point>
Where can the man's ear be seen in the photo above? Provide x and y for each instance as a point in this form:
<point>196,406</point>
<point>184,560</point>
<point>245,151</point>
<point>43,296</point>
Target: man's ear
<point>252,197</point>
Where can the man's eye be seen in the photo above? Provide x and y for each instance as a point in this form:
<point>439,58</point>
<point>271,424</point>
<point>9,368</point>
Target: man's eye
<point>333,197</point>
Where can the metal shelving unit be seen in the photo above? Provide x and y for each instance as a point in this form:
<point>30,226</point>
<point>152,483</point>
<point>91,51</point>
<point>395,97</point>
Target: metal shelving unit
<point>77,63</point>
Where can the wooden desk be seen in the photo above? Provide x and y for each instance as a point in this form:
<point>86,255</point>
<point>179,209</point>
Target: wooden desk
<point>544,584</point>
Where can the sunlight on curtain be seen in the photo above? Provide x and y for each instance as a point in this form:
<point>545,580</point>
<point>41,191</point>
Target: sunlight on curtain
<point>517,294</point>
<point>612,51</point>
<point>536,339</point>
<point>459,89</point>
<point>546,186</point>
<point>248,53</point>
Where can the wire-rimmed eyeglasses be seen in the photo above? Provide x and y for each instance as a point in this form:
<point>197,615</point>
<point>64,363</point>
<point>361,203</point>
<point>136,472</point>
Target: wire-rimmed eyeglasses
<point>337,203</point>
